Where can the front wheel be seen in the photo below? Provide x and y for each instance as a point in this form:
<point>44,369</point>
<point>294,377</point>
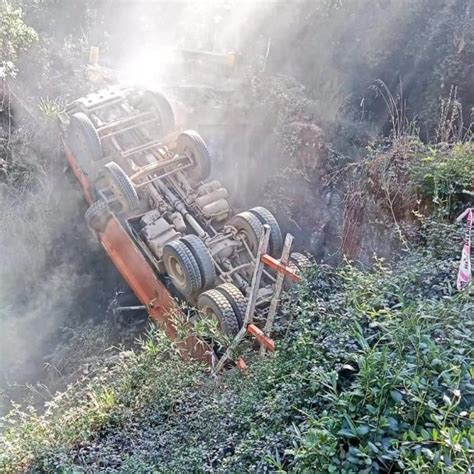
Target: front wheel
<point>122,187</point>
<point>83,141</point>
<point>97,215</point>
<point>191,144</point>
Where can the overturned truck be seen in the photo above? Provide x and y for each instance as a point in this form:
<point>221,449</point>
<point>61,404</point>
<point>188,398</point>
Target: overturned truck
<point>170,230</point>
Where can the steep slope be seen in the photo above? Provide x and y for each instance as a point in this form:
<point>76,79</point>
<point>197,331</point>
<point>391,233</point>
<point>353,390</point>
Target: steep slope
<point>372,374</point>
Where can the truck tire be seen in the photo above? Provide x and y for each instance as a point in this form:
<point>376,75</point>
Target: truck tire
<point>247,224</point>
<point>276,239</point>
<point>190,143</point>
<point>182,268</point>
<point>97,215</point>
<point>122,187</point>
<point>301,261</point>
<point>203,258</point>
<point>159,103</point>
<point>214,304</point>
<point>298,263</point>
<point>83,141</point>
<point>236,299</point>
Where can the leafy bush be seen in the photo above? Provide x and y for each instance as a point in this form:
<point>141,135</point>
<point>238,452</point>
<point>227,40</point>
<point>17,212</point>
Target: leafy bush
<point>15,37</point>
<point>445,175</point>
<point>117,392</point>
<point>402,397</point>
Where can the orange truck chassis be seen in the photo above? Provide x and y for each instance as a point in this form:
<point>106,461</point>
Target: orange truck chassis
<point>157,214</point>
<point>141,278</point>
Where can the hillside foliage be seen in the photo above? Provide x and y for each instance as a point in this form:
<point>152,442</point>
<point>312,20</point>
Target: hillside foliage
<point>373,373</point>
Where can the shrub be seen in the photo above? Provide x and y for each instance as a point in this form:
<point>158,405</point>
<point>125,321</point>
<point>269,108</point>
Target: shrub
<point>15,37</point>
<point>445,175</point>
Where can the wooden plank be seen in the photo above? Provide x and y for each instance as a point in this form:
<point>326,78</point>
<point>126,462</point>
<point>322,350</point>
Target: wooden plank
<point>280,267</point>
<point>263,340</point>
<point>257,275</point>
<point>285,256</point>
<point>241,365</point>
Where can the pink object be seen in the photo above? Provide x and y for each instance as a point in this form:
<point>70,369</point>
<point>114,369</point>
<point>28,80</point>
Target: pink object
<point>465,271</point>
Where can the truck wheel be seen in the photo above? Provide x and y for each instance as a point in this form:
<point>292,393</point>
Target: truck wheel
<point>158,102</point>
<point>191,144</point>
<point>298,263</point>
<point>182,268</point>
<point>97,215</point>
<point>250,227</point>
<point>84,141</point>
<point>300,260</point>
<point>213,304</point>
<point>276,239</point>
<point>203,258</point>
<point>236,299</point>
<point>122,187</point>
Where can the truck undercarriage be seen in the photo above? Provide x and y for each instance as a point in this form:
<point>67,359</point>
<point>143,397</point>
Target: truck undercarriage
<point>142,176</point>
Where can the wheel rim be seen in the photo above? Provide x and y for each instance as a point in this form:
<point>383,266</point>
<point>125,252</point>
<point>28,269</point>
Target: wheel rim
<point>192,157</point>
<point>177,272</point>
<point>188,152</point>
<point>209,312</point>
<point>251,240</point>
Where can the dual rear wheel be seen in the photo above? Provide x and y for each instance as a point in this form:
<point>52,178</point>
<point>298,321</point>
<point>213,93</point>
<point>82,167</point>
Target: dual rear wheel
<point>190,266</point>
<point>299,263</point>
<point>226,305</point>
<point>249,224</point>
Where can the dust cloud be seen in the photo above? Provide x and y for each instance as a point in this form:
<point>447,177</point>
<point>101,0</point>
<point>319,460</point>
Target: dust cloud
<point>50,268</point>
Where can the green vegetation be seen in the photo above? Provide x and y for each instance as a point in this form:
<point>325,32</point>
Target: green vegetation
<point>373,373</point>
<point>445,176</point>
<point>15,38</point>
